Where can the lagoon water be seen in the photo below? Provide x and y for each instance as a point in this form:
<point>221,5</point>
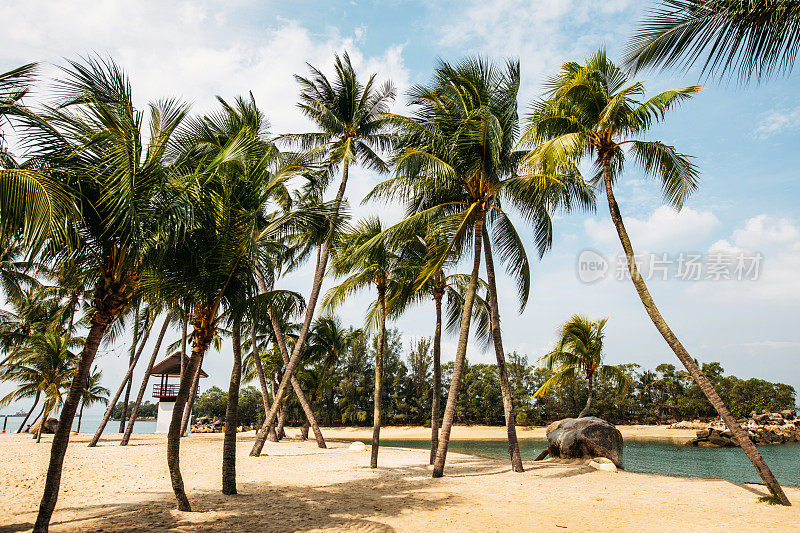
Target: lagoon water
<point>91,423</point>
<point>653,457</point>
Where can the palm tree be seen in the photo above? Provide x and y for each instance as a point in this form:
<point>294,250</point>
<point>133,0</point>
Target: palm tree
<point>580,349</point>
<point>376,266</point>
<point>455,163</point>
<point>352,131</point>
<point>80,140</point>
<point>745,38</point>
<point>45,365</point>
<point>327,341</point>
<point>231,173</point>
<point>593,110</point>
<point>93,393</point>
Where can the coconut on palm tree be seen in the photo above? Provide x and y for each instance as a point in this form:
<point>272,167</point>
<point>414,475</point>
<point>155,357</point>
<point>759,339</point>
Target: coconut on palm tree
<point>352,131</point>
<point>456,167</point>
<point>594,111</point>
<point>579,351</point>
<point>746,38</point>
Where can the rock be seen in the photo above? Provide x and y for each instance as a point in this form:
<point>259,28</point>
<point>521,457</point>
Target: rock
<point>585,438</point>
<point>788,414</point>
<point>721,441</point>
<point>50,426</point>
<point>703,433</point>
<point>357,446</point>
<point>603,463</point>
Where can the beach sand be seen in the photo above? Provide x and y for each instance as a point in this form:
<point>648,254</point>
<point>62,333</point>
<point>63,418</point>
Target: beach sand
<point>298,487</point>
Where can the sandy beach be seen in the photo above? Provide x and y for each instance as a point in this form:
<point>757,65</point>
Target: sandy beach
<point>298,487</point>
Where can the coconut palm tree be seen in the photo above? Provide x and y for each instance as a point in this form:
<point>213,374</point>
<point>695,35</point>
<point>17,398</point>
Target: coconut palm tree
<point>45,365</point>
<point>456,163</point>
<point>746,38</point>
<point>352,131</point>
<point>580,350</point>
<point>93,393</point>
<point>91,140</point>
<point>594,111</point>
<point>231,173</point>
<point>376,266</point>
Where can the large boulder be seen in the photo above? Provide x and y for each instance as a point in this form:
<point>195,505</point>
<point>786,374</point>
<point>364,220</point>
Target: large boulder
<point>584,438</point>
<point>50,426</point>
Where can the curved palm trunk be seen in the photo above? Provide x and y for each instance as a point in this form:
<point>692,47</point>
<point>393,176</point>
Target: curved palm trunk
<point>35,403</point>
<point>311,305</point>
<point>262,380</point>
<point>437,376</point>
<point>585,410</point>
<point>376,414</point>
<point>461,354</point>
<point>126,381</point>
<point>45,415</point>
<point>676,346</point>
<point>232,414</point>
<point>298,391</point>
<point>80,418</point>
<point>143,388</point>
<point>187,414</point>
<point>280,431</point>
<point>200,342</point>
<point>497,340</point>
<point>108,304</point>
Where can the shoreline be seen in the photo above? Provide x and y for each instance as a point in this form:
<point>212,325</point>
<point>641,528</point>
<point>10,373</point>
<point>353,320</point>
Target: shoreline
<point>297,486</point>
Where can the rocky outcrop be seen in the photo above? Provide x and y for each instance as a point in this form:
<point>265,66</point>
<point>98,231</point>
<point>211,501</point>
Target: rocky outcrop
<point>584,438</point>
<point>763,428</point>
<point>50,426</point>
<point>206,424</point>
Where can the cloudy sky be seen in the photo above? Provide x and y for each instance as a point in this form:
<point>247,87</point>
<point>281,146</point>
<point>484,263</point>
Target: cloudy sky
<point>744,140</point>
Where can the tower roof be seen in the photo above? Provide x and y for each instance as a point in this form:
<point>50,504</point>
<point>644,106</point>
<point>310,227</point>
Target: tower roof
<point>171,366</point>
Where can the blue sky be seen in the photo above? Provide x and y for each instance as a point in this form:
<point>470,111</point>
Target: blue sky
<point>744,140</point>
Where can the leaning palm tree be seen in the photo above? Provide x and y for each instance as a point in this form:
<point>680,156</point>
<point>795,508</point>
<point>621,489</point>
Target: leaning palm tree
<point>377,266</point>
<point>91,139</point>
<point>746,38</point>
<point>93,393</point>
<point>594,111</point>
<point>580,350</point>
<point>351,118</point>
<point>456,165</point>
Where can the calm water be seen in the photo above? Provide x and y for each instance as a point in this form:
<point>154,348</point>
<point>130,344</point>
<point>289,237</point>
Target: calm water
<point>652,457</point>
<point>91,423</point>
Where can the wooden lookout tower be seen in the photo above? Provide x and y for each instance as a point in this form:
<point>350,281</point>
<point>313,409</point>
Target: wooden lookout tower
<point>167,392</point>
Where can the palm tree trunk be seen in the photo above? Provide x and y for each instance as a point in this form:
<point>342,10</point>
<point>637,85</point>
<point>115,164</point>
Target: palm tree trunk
<point>676,346</point>
<point>125,381</point>
<point>437,376</point>
<point>80,417</point>
<point>124,415</point>
<point>461,353</point>
<point>280,433</point>
<point>262,380</point>
<point>376,414</point>
<point>35,402</point>
<point>301,397</point>
<point>184,334</point>
<point>585,410</point>
<point>232,414</point>
<point>45,416</point>
<point>143,388</point>
<point>298,391</point>
<point>311,305</point>
<point>200,342</point>
<point>272,435</point>
<point>187,414</point>
<point>108,305</point>
<point>497,340</point>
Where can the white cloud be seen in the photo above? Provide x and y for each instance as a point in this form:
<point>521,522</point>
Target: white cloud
<point>664,230</point>
<point>777,121</point>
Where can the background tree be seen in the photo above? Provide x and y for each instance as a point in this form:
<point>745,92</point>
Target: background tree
<point>93,393</point>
